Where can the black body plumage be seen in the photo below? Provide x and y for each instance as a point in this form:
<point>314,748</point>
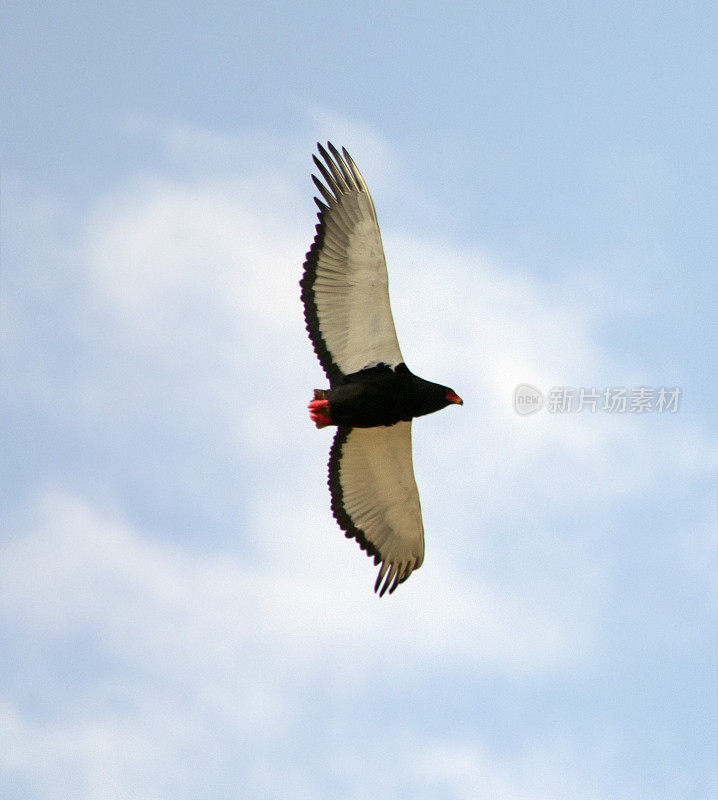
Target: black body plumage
<point>383,396</point>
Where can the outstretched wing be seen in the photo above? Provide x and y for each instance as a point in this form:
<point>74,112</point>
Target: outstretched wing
<point>375,499</point>
<point>345,287</point>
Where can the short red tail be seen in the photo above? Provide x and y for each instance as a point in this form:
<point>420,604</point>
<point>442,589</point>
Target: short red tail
<point>319,409</point>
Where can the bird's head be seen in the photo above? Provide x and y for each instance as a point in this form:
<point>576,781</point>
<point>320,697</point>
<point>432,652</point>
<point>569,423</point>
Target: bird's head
<point>427,397</point>
<point>435,397</point>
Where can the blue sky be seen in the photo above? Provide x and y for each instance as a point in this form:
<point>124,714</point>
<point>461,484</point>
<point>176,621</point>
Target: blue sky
<point>180,617</point>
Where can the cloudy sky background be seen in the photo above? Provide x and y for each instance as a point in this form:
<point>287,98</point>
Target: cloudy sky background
<point>180,617</point>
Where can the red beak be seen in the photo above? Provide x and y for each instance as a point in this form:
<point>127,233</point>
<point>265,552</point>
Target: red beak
<point>454,398</point>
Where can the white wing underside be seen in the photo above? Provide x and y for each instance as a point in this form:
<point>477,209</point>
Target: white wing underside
<point>352,289</point>
<point>348,284</point>
<point>373,484</point>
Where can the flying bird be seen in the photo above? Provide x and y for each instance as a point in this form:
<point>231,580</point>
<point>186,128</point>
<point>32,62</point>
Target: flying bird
<point>373,395</point>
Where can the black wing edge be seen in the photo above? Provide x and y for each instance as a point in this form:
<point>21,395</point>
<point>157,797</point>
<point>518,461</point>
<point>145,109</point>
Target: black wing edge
<point>332,371</point>
<point>341,177</point>
<point>335,487</point>
<point>345,521</point>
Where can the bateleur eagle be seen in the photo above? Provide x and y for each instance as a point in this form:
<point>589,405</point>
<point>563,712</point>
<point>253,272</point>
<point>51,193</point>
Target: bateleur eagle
<point>373,396</point>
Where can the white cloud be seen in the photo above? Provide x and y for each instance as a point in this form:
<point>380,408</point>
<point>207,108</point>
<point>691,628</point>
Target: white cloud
<point>76,567</point>
<point>216,637</point>
<point>185,293</point>
<point>204,269</point>
<point>217,645</point>
<point>163,251</point>
<point>191,297</point>
<point>188,301</point>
